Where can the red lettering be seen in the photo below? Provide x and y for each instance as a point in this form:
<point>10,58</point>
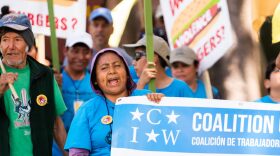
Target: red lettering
<point>40,20</point>
<point>199,54</point>
<point>174,5</point>
<point>31,18</point>
<point>47,21</point>
<point>56,22</point>
<point>220,34</point>
<point>64,25</point>
<point>19,12</point>
<point>206,49</point>
<point>211,44</point>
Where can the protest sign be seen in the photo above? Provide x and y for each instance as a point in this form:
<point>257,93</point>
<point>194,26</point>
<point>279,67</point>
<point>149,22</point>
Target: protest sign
<point>180,126</point>
<point>70,16</point>
<point>203,25</point>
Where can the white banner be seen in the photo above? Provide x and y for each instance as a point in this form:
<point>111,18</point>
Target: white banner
<point>70,15</point>
<point>189,126</point>
<point>203,25</point>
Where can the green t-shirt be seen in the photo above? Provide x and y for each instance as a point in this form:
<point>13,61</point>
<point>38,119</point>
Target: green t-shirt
<point>18,114</point>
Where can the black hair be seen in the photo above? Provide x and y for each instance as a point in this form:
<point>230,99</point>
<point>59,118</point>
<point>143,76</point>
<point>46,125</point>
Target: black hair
<point>5,30</point>
<point>196,63</point>
<point>162,62</point>
<point>103,18</point>
<point>5,10</point>
<point>80,44</point>
<point>270,49</point>
<point>269,69</point>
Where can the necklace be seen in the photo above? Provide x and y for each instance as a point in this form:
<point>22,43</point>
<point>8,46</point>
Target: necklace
<point>108,137</point>
<point>76,84</point>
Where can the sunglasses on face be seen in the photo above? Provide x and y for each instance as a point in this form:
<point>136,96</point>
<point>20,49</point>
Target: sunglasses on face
<point>139,54</point>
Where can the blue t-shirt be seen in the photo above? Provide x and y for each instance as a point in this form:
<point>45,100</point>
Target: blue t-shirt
<point>176,88</point>
<point>133,74</point>
<point>201,92</point>
<point>266,99</point>
<point>74,90</point>
<point>83,94</point>
<point>168,72</point>
<point>87,131</point>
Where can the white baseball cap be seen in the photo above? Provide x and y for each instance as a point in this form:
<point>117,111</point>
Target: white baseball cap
<point>82,37</point>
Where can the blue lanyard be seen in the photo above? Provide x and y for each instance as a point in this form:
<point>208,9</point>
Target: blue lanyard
<point>77,93</point>
<point>108,137</point>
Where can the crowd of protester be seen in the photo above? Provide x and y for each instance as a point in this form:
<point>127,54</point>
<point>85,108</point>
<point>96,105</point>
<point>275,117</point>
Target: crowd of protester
<point>70,105</point>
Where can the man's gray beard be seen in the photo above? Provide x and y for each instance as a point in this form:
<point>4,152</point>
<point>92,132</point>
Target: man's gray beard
<point>14,63</point>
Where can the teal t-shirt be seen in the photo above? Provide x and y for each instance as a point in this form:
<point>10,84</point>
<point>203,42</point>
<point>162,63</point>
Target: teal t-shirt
<point>267,99</point>
<point>18,113</point>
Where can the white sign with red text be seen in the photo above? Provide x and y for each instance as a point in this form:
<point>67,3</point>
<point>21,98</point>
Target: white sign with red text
<point>203,25</point>
<point>70,15</point>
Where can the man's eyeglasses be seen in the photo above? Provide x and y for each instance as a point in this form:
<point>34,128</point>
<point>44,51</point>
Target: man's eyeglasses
<point>139,54</point>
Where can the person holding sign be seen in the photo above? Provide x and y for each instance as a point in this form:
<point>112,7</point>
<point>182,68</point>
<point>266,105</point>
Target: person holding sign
<point>164,84</point>
<point>184,66</point>
<point>272,84</point>
<point>31,120</point>
<point>91,129</point>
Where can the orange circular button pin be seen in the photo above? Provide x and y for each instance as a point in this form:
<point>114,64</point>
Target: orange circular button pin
<point>41,100</point>
<point>107,119</point>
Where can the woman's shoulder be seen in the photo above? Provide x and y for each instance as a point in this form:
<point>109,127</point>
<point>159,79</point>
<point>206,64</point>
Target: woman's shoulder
<point>93,102</point>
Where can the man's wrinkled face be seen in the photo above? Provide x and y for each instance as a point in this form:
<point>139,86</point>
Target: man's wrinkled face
<point>14,49</point>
